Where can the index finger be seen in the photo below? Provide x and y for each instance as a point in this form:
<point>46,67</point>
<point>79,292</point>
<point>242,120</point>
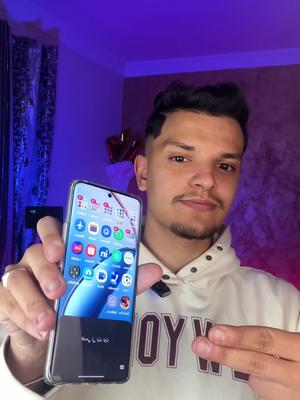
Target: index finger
<point>260,339</point>
<point>49,230</point>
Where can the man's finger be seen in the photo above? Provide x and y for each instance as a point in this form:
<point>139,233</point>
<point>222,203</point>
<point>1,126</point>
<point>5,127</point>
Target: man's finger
<point>49,230</point>
<point>11,315</point>
<point>47,274</point>
<point>148,274</point>
<point>31,301</point>
<point>268,390</point>
<point>259,339</point>
<point>250,362</point>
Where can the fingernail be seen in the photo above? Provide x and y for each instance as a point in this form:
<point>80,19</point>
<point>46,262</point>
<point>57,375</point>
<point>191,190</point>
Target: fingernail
<point>218,335</point>
<point>53,285</point>
<point>41,317</point>
<point>202,348</point>
<point>43,334</point>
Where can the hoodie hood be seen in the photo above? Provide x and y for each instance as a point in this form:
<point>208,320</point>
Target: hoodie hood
<point>203,272</point>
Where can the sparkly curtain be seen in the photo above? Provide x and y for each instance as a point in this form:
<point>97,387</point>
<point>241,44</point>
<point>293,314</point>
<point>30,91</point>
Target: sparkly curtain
<point>33,90</point>
<point>4,132</point>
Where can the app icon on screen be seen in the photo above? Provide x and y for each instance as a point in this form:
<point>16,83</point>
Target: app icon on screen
<point>118,233</point>
<point>107,208</point>
<point>103,253</point>
<point>127,280</point>
<point>128,258</point>
<point>112,300</point>
<point>133,216</point>
<point>120,213</point>
<point>79,224</point>
<point>77,247</point>
<point>125,302</point>
<point>81,202</point>
<point>93,228</point>
<point>88,273</point>
<point>116,256</point>
<point>129,234</point>
<point>114,278</point>
<point>74,271</point>
<point>95,206</point>
<point>106,231</point>
<point>101,275</point>
<point>91,250</point>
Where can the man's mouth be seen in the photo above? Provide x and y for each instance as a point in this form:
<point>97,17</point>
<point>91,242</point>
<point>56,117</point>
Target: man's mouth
<point>198,204</point>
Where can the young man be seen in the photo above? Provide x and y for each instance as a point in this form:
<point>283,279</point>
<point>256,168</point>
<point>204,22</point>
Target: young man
<point>195,142</point>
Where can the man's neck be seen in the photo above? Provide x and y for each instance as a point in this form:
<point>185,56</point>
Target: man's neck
<point>172,250</point>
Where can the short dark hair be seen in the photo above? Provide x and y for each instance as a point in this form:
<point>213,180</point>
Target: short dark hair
<point>223,99</point>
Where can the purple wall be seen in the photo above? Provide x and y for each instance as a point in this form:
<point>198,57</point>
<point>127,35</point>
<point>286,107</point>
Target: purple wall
<point>265,218</point>
<point>88,109</point>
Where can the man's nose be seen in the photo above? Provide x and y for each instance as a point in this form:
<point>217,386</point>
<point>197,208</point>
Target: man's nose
<point>203,178</point>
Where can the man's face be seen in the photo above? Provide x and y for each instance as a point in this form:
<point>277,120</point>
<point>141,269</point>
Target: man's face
<point>191,173</point>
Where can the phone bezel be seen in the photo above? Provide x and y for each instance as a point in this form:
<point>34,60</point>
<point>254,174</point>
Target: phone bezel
<point>48,376</point>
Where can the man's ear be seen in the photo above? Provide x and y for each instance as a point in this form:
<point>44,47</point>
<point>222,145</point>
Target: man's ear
<point>140,169</point>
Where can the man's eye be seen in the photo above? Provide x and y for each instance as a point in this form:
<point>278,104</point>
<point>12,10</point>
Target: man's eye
<point>227,167</point>
<point>179,159</point>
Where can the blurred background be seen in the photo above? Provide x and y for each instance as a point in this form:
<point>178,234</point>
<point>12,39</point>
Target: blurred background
<point>77,74</point>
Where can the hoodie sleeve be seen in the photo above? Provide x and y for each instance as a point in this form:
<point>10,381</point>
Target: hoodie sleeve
<point>11,388</point>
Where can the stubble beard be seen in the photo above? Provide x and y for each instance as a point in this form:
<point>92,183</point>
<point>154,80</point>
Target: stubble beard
<point>191,233</point>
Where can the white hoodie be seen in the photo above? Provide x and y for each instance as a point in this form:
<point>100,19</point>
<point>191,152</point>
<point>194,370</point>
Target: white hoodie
<point>211,289</point>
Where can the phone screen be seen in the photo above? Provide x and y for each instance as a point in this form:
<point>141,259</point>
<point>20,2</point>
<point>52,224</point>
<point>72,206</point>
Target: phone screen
<point>95,315</point>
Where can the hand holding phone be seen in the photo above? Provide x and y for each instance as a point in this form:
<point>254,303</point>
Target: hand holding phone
<point>91,341</point>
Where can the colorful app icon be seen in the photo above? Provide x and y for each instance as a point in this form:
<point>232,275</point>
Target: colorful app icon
<point>120,213</point>
<point>101,275</point>
<point>103,253</point>
<point>116,256</point>
<point>112,300</point>
<point>114,278</point>
<point>128,258</point>
<point>126,280</point>
<point>77,247</point>
<point>129,234</point>
<point>118,233</point>
<point>80,224</point>
<point>88,273</point>
<point>81,202</point>
<point>125,302</point>
<point>90,250</point>
<point>93,228</point>
<point>106,231</point>
<point>74,271</point>
<point>95,206</point>
<point>107,208</point>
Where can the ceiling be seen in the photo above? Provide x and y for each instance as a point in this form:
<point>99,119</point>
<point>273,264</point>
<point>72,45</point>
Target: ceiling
<point>144,30</point>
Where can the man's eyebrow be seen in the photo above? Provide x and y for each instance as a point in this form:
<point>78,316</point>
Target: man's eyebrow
<point>183,146</point>
<point>236,156</point>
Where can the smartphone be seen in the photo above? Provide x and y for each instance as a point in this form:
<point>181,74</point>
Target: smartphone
<point>91,342</point>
